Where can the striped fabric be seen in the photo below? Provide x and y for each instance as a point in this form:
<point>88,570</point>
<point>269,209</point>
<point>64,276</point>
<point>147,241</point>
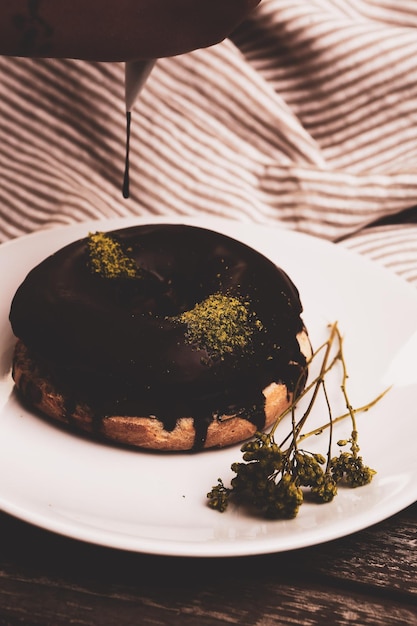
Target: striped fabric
<point>306,117</point>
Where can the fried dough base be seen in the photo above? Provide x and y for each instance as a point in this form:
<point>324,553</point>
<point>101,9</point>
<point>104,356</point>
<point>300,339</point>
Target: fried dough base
<point>145,432</point>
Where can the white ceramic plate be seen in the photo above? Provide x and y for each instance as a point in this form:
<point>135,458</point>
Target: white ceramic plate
<point>157,503</point>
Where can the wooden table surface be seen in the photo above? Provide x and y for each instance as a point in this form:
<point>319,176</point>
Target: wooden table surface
<point>366,578</point>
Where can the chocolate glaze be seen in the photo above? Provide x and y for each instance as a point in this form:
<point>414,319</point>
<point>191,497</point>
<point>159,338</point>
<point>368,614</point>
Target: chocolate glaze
<point>113,343</point>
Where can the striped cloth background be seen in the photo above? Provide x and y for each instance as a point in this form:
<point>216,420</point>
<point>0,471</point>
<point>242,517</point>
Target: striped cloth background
<point>306,117</point>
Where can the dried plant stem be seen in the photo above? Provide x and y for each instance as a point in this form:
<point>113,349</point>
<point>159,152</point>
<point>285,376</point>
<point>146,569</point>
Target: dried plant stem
<point>272,479</point>
<point>340,418</point>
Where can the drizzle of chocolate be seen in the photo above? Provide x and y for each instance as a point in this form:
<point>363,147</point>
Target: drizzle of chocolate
<point>116,343</point>
<point>126,178</point>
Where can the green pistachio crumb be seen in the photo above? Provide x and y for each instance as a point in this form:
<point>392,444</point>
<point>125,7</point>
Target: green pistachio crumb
<point>220,324</point>
<point>108,259</point>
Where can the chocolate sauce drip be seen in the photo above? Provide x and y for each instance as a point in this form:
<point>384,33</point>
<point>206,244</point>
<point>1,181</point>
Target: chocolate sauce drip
<point>126,177</point>
<point>117,345</point>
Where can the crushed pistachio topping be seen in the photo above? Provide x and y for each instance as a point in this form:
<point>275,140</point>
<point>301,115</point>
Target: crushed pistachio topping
<point>108,259</point>
<point>221,324</point>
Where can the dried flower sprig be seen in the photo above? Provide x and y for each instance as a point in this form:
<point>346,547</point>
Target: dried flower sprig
<point>273,480</point>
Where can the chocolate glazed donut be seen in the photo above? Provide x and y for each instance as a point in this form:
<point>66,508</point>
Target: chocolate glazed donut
<point>184,332</point>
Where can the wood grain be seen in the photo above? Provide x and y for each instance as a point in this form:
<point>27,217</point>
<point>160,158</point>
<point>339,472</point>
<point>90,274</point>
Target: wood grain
<point>369,578</point>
